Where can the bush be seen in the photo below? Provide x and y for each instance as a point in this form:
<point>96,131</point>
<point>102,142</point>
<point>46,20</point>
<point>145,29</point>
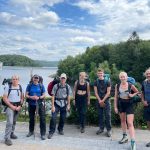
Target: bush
<point>92,114</point>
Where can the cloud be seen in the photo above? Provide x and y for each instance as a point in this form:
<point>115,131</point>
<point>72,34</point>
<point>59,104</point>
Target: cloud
<point>40,21</point>
<point>81,39</point>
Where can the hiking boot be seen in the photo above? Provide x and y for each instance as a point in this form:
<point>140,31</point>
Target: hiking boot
<point>61,132</point>
<point>108,133</point>
<point>99,131</point>
<point>124,139</point>
<point>50,135</point>
<point>148,144</point>
<point>43,137</point>
<point>133,145</point>
<point>13,136</point>
<point>82,130</point>
<point>29,134</point>
<point>8,142</point>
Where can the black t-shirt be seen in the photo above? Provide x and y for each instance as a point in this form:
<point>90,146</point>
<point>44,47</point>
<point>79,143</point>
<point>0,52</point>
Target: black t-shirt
<point>102,86</point>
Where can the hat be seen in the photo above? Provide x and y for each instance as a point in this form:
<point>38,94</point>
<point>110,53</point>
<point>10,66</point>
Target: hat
<point>63,75</point>
<point>35,76</point>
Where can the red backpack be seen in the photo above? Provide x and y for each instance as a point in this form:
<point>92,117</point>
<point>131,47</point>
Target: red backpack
<point>51,85</point>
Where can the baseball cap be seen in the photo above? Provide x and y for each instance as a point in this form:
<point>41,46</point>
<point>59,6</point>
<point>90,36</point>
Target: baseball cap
<point>63,75</point>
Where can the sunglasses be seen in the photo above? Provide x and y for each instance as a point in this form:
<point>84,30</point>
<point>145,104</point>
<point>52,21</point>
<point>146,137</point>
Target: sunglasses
<point>36,78</point>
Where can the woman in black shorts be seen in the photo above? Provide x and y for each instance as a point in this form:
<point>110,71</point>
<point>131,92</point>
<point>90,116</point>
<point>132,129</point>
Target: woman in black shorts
<point>124,106</point>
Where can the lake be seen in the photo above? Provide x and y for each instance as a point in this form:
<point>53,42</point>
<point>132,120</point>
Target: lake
<point>25,74</point>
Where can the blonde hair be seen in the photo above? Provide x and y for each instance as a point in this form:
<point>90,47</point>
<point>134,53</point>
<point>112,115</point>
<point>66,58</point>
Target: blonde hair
<point>123,74</point>
<point>148,70</point>
<point>15,76</point>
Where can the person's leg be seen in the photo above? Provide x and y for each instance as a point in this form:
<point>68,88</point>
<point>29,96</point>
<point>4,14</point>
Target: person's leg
<point>100,117</point>
<point>148,124</point>
<point>52,125</point>
<point>130,120</point>
<point>62,119</point>
<point>78,111</point>
<point>32,109</point>
<point>83,113</point>
<point>124,128</point>
<point>9,124</point>
<point>16,114</point>
<point>108,115</point>
<point>42,119</point>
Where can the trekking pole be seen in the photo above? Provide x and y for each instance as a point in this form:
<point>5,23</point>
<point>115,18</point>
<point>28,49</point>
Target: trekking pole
<point>36,118</point>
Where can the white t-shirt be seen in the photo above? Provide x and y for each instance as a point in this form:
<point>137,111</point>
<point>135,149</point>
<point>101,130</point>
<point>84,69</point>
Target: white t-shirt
<point>15,93</point>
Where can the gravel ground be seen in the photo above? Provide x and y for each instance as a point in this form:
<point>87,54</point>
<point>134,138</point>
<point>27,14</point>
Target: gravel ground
<point>72,140</point>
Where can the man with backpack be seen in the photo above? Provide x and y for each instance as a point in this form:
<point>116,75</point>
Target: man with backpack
<point>146,99</point>
<point>60,103</point>
<point>35,94</point>
<point>102,89</point>
<point>13,99</point>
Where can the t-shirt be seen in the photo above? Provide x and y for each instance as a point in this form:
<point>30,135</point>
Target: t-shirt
<point>14,95</point>
<point>102,86</point>
<point>146,90</point>
<point>33,90</point>
<point>61,97</point>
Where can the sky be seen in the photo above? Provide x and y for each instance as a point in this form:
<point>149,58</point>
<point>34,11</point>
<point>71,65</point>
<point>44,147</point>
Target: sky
<point>53,29</point>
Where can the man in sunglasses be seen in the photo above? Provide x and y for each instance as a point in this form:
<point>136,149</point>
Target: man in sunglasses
<point>60,103</point>
<point>35,93</point>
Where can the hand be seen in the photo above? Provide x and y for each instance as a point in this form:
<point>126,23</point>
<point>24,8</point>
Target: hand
<point>102,103</point>
<point>68,107</point>
<point>13,107</point>
<point>116,110</point>
<point>18,108</point>
<point>74,103</point>
<point>36,98</point>
<point>53,109</point>
<point>145,103</point>
<point>88,103</point>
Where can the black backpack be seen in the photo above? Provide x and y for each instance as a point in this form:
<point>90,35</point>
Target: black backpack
<point>10,89</point>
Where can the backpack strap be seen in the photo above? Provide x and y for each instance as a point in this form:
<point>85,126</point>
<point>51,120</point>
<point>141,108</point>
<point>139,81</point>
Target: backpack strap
<point>58,86</point>
<point>10,88</point>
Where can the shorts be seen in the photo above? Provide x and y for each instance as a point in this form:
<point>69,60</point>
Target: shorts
<point>125,106</point>
<point>147,113</point>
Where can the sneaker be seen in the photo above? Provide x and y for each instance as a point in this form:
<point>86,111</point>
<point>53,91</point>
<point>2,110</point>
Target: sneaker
<point>13,136</point>
<point>148,144</point>
<point>43,137</point>
<point>133,145</point>
<point>8,142</point>
<point>108,133</point>
<point>123,140</point>
<point>61,132</point>
<point>82,130</point>
<point>29,134</point>
<point>50,135</point>
<point>99,131</point>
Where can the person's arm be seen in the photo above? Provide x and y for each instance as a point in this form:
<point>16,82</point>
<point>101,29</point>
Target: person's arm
<point>143,97</point>
<point>68,98</point>
<point>107,94</point>
<point>116,100</point>
<point>96,93</point>
<point>7,102</point>
<point>88,93</point>
<point>43,93</point>
<point>135,90</point>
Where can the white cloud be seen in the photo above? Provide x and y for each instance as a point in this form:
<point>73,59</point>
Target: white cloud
<point>81,39</point>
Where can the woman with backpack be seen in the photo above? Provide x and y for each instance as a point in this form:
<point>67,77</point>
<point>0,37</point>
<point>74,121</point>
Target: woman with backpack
<point>124,106</point>
<point>81,98</point>
<point>13,98</point>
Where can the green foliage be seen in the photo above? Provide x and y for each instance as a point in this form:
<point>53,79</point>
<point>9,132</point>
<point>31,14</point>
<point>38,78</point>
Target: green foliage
<point>131,56</point>
<point>17,60</point>
<point>92,115</point>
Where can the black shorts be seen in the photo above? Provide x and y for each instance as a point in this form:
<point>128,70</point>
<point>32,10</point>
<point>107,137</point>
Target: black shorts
<point>147,113</point>
<point>125,106</point>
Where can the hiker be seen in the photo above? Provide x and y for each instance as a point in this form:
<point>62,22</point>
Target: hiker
<point>13,98</point>
<point>35,94</point>
<point>146,99</point>
<point>102,88</point>
<point>60,103</point>
<point>81,99</point>
<point>124,106</point>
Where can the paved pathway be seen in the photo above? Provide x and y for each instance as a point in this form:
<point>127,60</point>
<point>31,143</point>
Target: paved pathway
<point>72,140</point>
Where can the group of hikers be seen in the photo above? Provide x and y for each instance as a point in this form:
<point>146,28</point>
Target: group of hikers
<point>61,92</point>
